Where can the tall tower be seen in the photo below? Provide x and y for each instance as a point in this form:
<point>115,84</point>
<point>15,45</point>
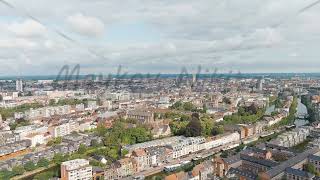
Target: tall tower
<point>19,85</point>
<point>260,84</point>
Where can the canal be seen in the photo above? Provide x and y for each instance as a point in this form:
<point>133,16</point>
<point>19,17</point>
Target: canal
<point>301,114</point>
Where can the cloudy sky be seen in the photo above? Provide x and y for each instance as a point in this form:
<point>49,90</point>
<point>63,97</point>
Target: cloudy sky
<point>159,36</point>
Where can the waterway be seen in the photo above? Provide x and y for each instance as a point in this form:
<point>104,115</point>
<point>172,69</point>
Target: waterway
<point>269,110</point>
<point>301,114</point>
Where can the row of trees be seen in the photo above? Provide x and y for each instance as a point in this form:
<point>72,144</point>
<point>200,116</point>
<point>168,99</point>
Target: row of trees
<point>19,170</point>
<point>313,115</point>
<point>118,136</point>
<point>292,114</point>
<point>62,102</point>
<point>245,115</point>
<point>9,112</point>
<point>187,106</point>
<point>195,126</point>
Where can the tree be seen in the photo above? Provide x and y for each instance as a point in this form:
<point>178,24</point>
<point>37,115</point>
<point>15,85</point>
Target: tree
<point>94,143</point>
<point>226,100</point>
<point>43,163</point>
<point>177,105</point>
<point>52,102</point>
<point>207,125</point>
<point>188,106</point>
<point>311,169</point>
<point>18,170</point>
<point>194,128</point>
<point>82,149</point>
<point>217,130</point>
<point>101,130</point>
<point>252,109</point>
<point>44,175</point>
<point>30,166</point>
<point>5,174</point>
<point>58,158</point>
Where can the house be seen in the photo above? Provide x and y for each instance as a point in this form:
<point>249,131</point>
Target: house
<point>36,139</point>
<point>201,171</point>
<point>187,146</point>
<point>120,169</point>
<point>296,162</point>
<point>223,139</point>
<point>100,159</point>
<point>314,160</point>
<point>256,165</point>
<point>223,165</point>
<point>258,153</point>
<point>249,130</point>
<point>141,158</point>
<point>158,155</point>
<point>236,128</point>
<point>177,176</point>
<point>293,174</point>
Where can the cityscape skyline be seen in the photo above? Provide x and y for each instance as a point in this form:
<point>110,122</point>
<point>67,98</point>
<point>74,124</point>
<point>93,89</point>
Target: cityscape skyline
<point>159,90</point>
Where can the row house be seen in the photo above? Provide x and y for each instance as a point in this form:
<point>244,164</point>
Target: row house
<point>141,158</point>
<point>120,169</point>
<point>222,140</point>
<point>187,146</point>
<point>8,137</point>
<point>293,137</point>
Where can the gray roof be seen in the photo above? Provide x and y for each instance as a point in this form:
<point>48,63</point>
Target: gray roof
<point>232,159</point>
<point>249,175</point>
<point>291,162</point>
<point>314,157</point>
<point>263,162</point>
<point>298,172</point>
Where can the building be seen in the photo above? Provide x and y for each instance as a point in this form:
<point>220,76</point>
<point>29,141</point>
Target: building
<point>202,171</point>
<point>296,162</point>
<point>19,85</point>
<point>120,169</point>
<point>292,138</point>
<point>141,158</point>
<point>141,116</point>
<point>221,140</point>
<point>35,139</point>
<point>187,146</point>
<point>223,165</point>
<point>293,174</point>
<point>76,169</point>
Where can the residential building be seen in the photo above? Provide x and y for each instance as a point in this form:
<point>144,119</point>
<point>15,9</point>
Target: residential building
<point>76,169</point>
<point>19,85</point>
<point>297,174</point>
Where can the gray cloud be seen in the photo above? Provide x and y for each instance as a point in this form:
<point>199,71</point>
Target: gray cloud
<point>229,34</point>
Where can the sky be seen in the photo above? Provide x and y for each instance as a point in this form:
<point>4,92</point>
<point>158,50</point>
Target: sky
<point>39,37</point>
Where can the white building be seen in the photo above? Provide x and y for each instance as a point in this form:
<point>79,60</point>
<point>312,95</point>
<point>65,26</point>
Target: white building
<point>36,139</point>
<point>293,137</point>
<point>76,169</point>
<point>187,146</point>
<point>222,140</point>
<point>19,85</point>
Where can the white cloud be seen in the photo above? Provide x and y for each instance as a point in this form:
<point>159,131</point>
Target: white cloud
<point>86,25</point>
<point>27,28</point>
<point>18,43</point>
